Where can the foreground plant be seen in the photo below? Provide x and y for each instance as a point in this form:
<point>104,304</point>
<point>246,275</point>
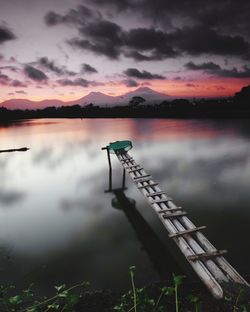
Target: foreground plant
<point>138,299</point>
<point>64,299</point>
<point>131,271</point>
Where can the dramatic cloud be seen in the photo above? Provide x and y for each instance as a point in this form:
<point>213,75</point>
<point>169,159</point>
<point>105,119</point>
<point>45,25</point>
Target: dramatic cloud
<point>77,16</point>
<point>51,66</point>
<point>234,73</point>
<point>107,38</point>
<point>203,66</point>
<point>135,73</point>
<point>150,40</point>
<point>198,40</point>
<point>86,68</point>
<point>222,15</point>
<point>7,81</point>
<point>99,48</point>
<point>45,62</point>
<point>34,73</point>
<point>101,37</point>
<point>79,82</point>
<point>130,83</point>
<point>216,70</point>
<point>4,79</point>
<point>11,68</point>
<point>6,34</point>
<point>18,84</point>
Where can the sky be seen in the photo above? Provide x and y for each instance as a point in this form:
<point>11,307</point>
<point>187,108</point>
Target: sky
<point>64,49</point>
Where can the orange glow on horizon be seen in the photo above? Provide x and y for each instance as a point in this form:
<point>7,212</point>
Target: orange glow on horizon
<point>203,87</point>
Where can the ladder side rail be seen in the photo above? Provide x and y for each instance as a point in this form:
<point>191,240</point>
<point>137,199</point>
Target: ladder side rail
<point>222,262</point>
<point>212,266</point>
<point>198,266</point>
<point>231,273</point>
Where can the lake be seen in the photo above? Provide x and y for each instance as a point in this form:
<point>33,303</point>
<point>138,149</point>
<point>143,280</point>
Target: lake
<point>57,223</point>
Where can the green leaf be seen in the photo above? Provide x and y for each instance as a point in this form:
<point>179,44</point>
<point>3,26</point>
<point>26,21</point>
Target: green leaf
<point>178,279</point>
<point>168,291</point>
<point>60,287</point>
<point>74,298</point>
<point>54,305</point>
<point>229,299</point>
<point>63,294</point>
<point>16,300</point>
<point>244,309</point>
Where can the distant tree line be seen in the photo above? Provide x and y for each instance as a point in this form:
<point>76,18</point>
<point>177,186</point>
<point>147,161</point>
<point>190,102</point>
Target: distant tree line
<point>237,106</point>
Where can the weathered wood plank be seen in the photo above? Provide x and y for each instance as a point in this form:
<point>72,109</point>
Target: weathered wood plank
<point>190,231</point>
<point>144,179</point>
<point>174,215</point>
<point>207,255</point>
<point>155,194</point>
<point>144,186</point>
<point>163,200</point>
<point>170,209</point>
<point>142,176</point>
<point>133,170</point>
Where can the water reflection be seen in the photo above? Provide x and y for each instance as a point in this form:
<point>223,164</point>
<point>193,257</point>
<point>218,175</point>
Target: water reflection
<point>163,261</point>
<point>61,227</point>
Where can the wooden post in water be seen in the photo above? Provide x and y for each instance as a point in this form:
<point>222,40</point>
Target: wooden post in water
<point>110,167</point>
<point>22,149</point>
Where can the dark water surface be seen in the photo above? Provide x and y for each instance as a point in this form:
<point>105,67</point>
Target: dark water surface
<point>58,225</point>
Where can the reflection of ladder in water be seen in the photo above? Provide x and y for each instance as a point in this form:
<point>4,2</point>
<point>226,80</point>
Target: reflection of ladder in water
<point>206,260</point>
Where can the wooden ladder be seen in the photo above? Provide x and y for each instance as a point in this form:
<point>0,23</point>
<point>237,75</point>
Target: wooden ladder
<point>208,262</point>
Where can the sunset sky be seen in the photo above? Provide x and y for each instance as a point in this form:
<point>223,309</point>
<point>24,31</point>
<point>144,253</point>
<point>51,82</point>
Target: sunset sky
<point>64,49</point>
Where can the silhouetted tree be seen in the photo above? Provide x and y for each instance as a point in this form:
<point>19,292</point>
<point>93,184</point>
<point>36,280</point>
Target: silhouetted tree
<point>136,100</point>
<point>243,97</point>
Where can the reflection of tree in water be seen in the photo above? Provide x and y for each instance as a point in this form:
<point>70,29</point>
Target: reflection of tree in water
<point>157,252</point>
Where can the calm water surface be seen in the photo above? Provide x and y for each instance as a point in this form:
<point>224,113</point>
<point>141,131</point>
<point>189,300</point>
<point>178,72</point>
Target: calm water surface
<point>58,225</point>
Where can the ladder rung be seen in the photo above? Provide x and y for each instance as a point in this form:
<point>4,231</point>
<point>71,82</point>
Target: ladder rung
<point>207,255</point>
<point>145,179</point>
<point>143,176</point>
<point>154,194</point>
<point>174,215</point>
<point>165,200</point>
<point>127,158</point>
<point>181,233</point>
<point>133,170</point>
<point>131,166</point>
<point>143,186</point>
<point>170,209</point>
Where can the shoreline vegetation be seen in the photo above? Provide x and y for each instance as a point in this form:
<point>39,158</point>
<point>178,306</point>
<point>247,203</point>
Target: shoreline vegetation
<point>177,295</point>
<point>237,106</point>
<point>207,108</point>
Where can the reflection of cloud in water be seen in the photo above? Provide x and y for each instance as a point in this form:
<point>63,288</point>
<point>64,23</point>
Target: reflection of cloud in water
<point>201,170</point>
<point>9,198</point>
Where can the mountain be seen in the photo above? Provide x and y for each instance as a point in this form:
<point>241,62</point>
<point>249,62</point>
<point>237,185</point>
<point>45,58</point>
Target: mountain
<point>27,104</point>
<point>97,98</point>
<point>148,94</point>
